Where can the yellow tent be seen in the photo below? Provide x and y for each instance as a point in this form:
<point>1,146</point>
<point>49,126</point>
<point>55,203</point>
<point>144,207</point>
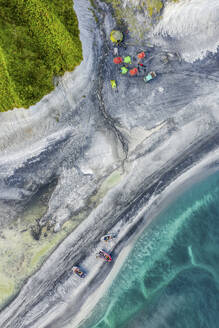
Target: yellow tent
<point>113,84</point>
<point>116,36</point>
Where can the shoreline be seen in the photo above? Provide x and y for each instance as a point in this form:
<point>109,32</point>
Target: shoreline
<point>191,177</point>
<point>99,274</point>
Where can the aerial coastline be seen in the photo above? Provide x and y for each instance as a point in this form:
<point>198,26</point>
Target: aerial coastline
<point>149,142</point>
<point>205,168</point>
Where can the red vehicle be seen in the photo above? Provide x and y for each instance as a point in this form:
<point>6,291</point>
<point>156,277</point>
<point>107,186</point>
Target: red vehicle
<point>104,255</point>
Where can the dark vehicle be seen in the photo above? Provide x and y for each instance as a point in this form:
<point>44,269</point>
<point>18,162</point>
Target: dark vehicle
<point>108,237</point>
<point>78,272</point>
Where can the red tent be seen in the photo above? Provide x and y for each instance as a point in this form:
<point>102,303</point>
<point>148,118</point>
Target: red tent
<point>133,71</point>
<point>117,60</point>
<point>141,55</point>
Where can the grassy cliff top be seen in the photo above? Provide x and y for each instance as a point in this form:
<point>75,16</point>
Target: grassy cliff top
<point>38,40</point>
<point>139,15</point>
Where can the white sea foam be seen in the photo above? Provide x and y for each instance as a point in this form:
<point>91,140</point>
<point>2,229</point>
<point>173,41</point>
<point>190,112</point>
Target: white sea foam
<point>193,26</point>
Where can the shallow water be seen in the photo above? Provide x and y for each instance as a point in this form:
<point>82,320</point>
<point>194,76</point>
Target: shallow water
<point>171,278</point>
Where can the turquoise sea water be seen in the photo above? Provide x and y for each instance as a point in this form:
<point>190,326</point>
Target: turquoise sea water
<point>171,278</point>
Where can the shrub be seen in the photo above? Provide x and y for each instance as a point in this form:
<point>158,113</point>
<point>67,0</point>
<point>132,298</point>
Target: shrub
<point>38,40</point>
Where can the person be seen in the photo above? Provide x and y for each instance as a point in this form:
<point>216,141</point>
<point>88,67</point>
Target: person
<point>141,66</point>
<point>78,271</point>
<point>115,51</point>
<point>140,57</point>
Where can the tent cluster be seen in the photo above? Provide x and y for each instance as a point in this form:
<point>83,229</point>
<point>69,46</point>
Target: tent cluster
<point>126,61</point>
<point>117,37</point>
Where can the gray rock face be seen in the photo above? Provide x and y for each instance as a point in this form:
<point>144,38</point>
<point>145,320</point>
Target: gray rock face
<point>84,133</point>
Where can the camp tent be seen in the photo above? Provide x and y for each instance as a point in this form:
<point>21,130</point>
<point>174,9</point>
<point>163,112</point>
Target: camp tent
<point>117,60</point>
<point>133,71</point>
<point>113,84</point>
<point>124,70</point>
<point>116,36</point>
<point>127,60</point>
<point>141,55</point>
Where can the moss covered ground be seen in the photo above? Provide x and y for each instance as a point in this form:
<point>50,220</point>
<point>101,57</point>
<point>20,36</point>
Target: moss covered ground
<point>139,15</point>
<point>149,10</point>
<point>21,255</point>
<point>153,7</point>
<point>38,40</point>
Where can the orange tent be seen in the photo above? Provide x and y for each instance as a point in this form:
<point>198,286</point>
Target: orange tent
<point>133,71</point>
<point>141,55</point>
<point>117,60</point>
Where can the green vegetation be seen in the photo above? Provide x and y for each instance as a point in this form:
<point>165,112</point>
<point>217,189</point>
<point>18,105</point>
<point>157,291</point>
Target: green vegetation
<point>151,10</point>
<point>111,181</point>
<point>154,7</point>
<point>38,40</point>
<point>21,255</point>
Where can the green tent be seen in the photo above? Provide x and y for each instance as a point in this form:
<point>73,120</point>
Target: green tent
<point>127,60</point>
<point>124,70</point>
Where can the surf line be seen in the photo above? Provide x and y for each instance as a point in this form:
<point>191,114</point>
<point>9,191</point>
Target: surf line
<point>191,255</point>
